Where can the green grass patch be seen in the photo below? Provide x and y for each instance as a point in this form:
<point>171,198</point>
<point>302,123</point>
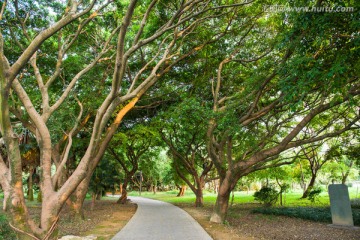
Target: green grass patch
<point>189,197</point>
<point>317,214</point>
<point>6,231</point>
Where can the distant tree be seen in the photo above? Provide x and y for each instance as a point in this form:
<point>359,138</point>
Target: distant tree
<point>183,130</point>
<point>343,153</point>
<point>316,161</point>
<point>129,149</point>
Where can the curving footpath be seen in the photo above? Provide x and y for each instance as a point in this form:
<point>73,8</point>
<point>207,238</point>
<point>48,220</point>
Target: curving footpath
<point>156,220</point>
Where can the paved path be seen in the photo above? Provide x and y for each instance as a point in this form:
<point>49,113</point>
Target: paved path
<point>156,220</point>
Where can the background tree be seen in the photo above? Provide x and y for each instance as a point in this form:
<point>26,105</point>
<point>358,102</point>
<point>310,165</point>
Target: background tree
<point>342,154</point>
<point>316,161</point>
<point>130,148</point>
<point>183,130</point>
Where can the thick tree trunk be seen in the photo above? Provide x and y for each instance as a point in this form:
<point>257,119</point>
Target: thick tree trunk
<point>123,197</point>
<point>199,202</point>
<point>222,200</point>
<point>78,197</point>
<point>221,205</point>
<point>124,194</point>
<point>310,186</point>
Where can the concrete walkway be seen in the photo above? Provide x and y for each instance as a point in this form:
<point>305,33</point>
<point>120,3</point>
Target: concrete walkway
<point>156,220</point>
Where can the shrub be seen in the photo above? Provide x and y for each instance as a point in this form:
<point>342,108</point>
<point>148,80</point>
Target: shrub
<point>6,231</point>
<point>314,194</point>
<point>266,195</point>
<point>318,214</point>
<point>355,203</point>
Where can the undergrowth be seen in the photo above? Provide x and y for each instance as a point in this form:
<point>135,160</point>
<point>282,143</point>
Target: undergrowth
<point>317,214</point>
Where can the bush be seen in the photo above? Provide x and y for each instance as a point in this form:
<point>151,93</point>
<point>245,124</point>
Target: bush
<point>355,203</point>
<point>6,231</point>
<point>314,194</point>
<point>267,196</point>
<point>318,214</point>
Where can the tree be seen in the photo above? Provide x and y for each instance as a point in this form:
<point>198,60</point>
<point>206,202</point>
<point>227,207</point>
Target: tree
<point>130,148</point>
<point>54,34</point>
<point>316,161</point>
<point>183,130</point>
<point>279,91</point>
<point>342,155</point>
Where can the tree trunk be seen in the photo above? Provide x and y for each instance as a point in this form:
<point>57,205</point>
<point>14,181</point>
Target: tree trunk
<point>78,197</point>
<point>93,200</point>
<point>310,186</point>
<point>221,205</point>
<point>5,184</point>
<point>99,195</point>
<point>123,197</point>
<point>199,202</point>
<point>120,188</point>
<point>182,190</point>
<point>222,200</point>
<point>30,192</point>
<point>124,194</point>
<point>6,199</point>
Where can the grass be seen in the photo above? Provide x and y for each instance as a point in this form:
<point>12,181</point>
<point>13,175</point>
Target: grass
<point>290,199</point>
<point>209,198</point>
<point>5,230</point>
<point>293,206</point>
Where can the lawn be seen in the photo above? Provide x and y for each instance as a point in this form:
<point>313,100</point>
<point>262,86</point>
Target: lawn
<point>291,199</point>
<point>293,206</point>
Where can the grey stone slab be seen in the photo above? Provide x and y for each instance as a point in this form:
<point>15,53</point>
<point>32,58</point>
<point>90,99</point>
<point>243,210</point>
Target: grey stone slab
<point>156,220</point>
<point>340,205</point>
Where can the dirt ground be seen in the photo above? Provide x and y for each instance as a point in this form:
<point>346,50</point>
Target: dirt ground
<point>104,221</point>
<point>108,218</point>
<point>242,225</point>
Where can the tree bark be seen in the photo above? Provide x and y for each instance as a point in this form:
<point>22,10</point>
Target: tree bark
<point>78,197</point>
<point>30,193</point>
<point>310,186</point>
<point>124,194</point>
<point>5,184</point>
<point>222,200</point>
<point>199,202</point>
<point>222,203</point>
<point>182,190</point>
